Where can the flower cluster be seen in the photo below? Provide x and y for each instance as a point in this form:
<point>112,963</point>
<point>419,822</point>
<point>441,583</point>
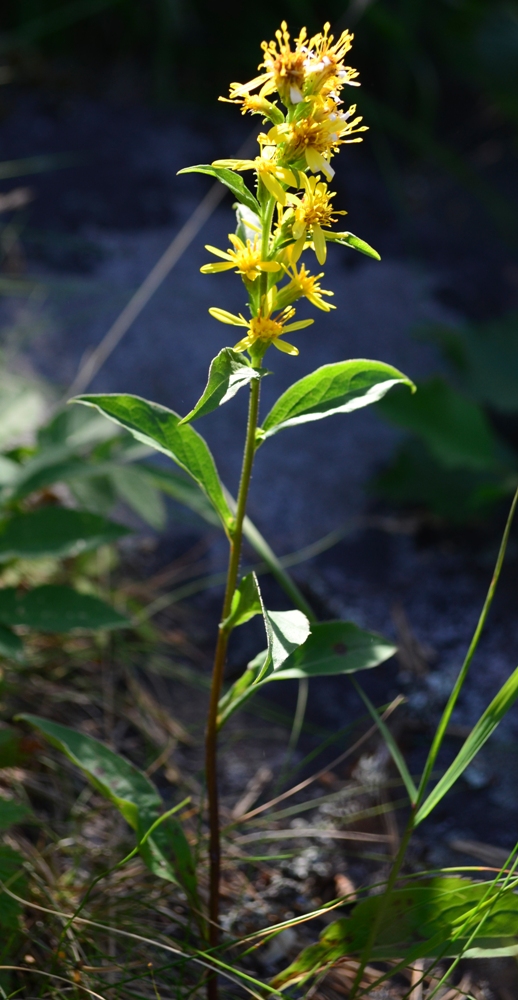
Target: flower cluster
<point>293,210</point>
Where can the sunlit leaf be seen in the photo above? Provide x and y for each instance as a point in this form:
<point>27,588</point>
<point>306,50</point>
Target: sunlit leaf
<point>229,371</point>
<point>234,182</point>
<point>336,648</point>
<point>336,388</point>
<point>422,920</point>
<point>56,531</point>
<point>160,428</point>
<point>55,608</point>
<point>350,240</point>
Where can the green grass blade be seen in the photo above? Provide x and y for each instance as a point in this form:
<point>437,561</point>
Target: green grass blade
<point>395,752</point>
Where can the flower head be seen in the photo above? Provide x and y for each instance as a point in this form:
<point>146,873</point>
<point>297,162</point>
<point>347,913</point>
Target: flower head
<point>245,257</point>
<point>302,284</point>
<point>264,329</point>
<point>311,213</point>
<point>268,170</point>
<point>311,139</point>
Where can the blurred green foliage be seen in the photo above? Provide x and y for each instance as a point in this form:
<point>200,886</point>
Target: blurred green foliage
<point>461,456</point>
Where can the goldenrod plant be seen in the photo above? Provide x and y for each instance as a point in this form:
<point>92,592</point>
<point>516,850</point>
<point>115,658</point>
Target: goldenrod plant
<point>285,215</point>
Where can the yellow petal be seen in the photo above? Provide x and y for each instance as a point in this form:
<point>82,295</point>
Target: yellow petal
<point>273,187</point>
<point>226,317</point>
<point>281,345</point>
<point>299,325</point>
<point>269,265</point>
<point>243,344</point>
<point>217,253</point>
<point>297,248</point>
<point>319,242</point>
<point>299,229</point>
<point>214,268</point>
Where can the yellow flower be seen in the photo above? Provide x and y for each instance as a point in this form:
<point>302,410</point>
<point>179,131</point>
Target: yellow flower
<point>245,257</point>
<point>312,212</point>
<point>302,284</point>
<point>304,70</point>
<point>267,169</point>
<point>265,329</point>
<point>312,138</point>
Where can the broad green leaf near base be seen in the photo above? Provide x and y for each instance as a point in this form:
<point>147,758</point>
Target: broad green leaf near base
<point>336,388</point>
<point>479,735</point>
<point>336,648</point>
<point>234,182</point>
<point>423,919</point>
<point>56,531</point>
<point>54,608</point>
<point>160,428</point>
<point>166,852</point>
<point>229,371</point>
<point>332,648</point>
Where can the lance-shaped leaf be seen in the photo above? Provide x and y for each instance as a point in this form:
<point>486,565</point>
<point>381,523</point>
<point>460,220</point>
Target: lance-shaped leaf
<point>56,531</point>
<point>166,852</point>
<point>331,648</point>
<point>336,388</point>
<point>479,735</point>
<point>234,182</point>
<point>285,631</point>
<point>246,602</point>
<point>336,648</point>
<point>55,608</point>
<point>350,240</point>
<point>160,428</point>
<point>229,371</point>
<point>432,919</point>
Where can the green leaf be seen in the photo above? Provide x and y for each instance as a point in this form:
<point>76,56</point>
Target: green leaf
<point>336,648</point>
<point>12,812</point>
<point>229,371</point>
<point>246,602</point>
<point>52,466</point>
<point>331,648</point>
<point>350,240</point>
<point>11,646</point>
<point>479,735</point>
<point>285,631</point>
<point>336,388</point>
<point>422,921</point>
<point>11,748</point>
<point>233,181</point>
<point>160,428</point>
<point>56,531</point>
<point>132,793</point>
<point>455,429</point>
<point>54,608</point>
<point>75,427</point>
<point>133,486</point>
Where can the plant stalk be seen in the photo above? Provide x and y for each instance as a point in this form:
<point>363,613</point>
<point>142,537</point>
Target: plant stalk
<point>217,675</point>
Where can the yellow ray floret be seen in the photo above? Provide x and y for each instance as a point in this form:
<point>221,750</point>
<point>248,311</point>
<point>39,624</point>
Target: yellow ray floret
<point>245,257</point>
<point>265,329</point>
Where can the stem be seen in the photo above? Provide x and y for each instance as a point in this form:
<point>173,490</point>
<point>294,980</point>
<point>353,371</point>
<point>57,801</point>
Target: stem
<point>217,676</point>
